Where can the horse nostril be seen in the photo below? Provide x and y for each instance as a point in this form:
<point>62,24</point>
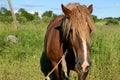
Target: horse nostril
<point>85,69</point>
<point>85,66</point>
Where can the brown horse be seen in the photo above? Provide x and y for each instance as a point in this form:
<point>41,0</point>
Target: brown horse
<point>70,33</point>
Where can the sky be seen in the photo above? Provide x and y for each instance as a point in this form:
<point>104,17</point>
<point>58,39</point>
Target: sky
<point>101,8</point>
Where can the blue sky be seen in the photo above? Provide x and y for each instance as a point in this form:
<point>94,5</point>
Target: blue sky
<point>102,8</point>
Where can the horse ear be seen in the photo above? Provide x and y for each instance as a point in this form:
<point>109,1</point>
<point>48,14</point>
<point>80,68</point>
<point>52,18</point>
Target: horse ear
<point>90,8</point>
<point>66,11</point>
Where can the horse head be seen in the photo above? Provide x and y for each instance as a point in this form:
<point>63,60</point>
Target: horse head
<point>76,26</point>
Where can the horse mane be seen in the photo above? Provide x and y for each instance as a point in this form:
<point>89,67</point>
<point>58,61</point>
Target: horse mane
<point>72,5</point>
<point>81,29</point>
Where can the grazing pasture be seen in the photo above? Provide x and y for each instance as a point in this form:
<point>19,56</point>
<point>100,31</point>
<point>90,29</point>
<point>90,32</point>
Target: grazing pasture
<point>21,61</point>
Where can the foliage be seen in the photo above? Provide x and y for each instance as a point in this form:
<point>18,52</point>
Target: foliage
<point>105,53</point>
<point>5,15</point>
<point>5,12</point>
<point>21,61</point>
<point>23,16</point>
<point>49,14</point>
<point>112,22</point>
<point>95,18</point>
<point>46,19</point>
<point>118,18</point>
<point>108,18</point>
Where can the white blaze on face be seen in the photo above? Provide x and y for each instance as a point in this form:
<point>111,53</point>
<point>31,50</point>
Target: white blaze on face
<point>85,62</point>
<point>86,23</point>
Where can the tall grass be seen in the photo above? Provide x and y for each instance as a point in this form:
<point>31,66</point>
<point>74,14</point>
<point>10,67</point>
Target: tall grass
<point>21,61</point>
<point>105,54</point>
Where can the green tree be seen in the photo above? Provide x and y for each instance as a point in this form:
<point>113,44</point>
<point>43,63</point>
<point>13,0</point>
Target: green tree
<point>95,18</point>
<point>22,12</point>
<point>5,15</point>
<point>5,12</point>
<point>47,13</point>
<point>112,22</point>
<point>36,15</point>
<point>20,18</point>
<point>118,18</point>
<point>54,15</point>
<point>108,18</point>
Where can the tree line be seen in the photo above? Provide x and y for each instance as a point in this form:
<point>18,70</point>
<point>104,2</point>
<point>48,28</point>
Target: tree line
<point>24,16</point>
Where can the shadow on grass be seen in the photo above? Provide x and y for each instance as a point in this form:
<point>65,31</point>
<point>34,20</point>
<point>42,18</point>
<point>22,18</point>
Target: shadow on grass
<point>45,66</point>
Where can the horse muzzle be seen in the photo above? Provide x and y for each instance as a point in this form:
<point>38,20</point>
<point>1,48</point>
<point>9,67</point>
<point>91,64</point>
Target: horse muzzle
<point>83,66</point>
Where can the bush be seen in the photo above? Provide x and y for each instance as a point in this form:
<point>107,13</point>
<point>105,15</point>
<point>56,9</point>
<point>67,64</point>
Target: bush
<point>95,18</point>
<point>46,19</point>
<point>112,22</point>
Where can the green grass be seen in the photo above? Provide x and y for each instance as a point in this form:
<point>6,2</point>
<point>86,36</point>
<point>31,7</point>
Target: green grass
<point>21,61</point>
<point>105,54</point>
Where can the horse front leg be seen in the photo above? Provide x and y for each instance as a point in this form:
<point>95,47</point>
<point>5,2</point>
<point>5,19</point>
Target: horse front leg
<point>56,71</point>
<point>59,72</point>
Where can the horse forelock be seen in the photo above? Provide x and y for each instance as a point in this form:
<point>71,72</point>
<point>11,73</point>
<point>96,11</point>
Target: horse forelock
<point>80,28</point>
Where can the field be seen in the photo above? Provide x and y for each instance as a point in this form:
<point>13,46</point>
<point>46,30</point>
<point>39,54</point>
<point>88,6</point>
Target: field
<point>21,61</point>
